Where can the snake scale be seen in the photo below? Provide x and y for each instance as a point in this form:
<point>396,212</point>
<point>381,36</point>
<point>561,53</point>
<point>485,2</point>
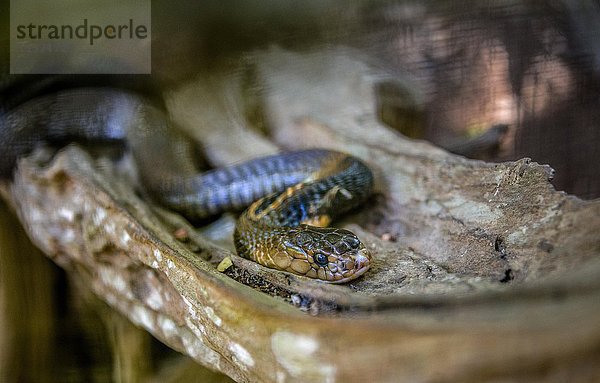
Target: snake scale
<point>292,196</point>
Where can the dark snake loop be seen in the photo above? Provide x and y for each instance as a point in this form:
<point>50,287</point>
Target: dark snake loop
<point>291,195</point>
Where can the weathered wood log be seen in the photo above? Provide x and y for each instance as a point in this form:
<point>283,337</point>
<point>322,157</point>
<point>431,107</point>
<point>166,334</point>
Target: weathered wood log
<point>482,271</point>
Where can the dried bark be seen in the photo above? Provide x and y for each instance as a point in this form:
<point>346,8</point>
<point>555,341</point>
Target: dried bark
<point>482,271</point>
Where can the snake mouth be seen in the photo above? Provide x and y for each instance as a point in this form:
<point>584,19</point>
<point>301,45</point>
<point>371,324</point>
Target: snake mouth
<point>362,263</point>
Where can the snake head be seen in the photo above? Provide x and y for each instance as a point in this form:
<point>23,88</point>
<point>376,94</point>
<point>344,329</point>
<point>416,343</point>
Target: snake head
<point>328,254</point>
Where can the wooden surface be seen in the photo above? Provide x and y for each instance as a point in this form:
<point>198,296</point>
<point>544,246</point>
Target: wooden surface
<point>482,271</point>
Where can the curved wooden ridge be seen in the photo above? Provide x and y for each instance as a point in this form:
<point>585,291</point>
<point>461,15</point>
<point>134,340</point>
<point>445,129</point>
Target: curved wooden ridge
<point>482,271</point>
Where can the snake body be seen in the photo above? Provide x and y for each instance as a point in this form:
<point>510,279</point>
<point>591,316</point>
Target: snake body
<point>292,196</point>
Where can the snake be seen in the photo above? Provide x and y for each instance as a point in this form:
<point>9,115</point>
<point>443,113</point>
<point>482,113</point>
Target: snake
<point>287,200</point>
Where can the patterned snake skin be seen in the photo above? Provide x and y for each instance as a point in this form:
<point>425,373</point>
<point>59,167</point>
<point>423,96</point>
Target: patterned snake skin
<point>292,196</point>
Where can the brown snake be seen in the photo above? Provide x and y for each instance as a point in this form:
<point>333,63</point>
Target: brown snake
<point>292,195</point>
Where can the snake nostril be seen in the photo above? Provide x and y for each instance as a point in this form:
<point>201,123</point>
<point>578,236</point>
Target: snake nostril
<point>361,261</point>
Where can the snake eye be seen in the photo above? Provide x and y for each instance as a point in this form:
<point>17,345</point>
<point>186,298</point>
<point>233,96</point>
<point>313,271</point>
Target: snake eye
<point>321,259</point>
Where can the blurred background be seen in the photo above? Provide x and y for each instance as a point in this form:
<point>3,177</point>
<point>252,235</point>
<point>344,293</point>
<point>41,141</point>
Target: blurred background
<point>494,80</point>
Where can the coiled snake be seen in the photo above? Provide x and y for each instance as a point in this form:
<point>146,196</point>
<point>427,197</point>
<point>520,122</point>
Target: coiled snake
<point>292,196</point>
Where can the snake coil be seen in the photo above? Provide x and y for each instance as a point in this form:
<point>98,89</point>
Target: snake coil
<point>293,196</point>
